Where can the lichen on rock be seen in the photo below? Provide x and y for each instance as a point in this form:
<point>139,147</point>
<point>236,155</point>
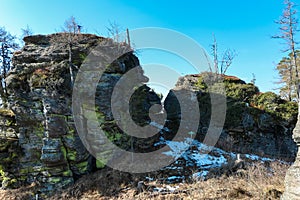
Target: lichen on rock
<point>259,123</point>
<point>39,142</point>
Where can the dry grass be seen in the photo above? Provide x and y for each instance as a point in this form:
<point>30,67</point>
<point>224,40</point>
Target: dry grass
<point>257,181</point>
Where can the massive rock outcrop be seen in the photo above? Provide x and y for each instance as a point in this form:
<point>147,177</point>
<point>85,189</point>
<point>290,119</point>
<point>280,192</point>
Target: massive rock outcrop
<point>39,143</point>
<point>256,123</point>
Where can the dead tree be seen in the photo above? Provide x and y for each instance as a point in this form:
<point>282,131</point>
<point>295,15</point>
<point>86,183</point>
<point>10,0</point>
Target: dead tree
<point>221,66</point>
<point>69,38</point>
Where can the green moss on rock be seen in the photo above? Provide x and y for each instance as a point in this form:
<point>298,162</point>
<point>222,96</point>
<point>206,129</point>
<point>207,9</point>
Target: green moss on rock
<point>6,112</point>
<point>280,109</point>
<point>100,164</point>
<point>82,167</point>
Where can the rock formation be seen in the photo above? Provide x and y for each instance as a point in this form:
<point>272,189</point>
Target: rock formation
<point>38,140</point>
<point>292,179</point>
<point>40,145</point>
<point>257,123</point>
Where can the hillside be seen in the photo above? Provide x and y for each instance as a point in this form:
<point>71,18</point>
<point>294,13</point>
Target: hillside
<point>50,139</point>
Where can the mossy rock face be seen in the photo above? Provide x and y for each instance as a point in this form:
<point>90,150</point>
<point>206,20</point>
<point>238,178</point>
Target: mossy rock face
<point>240,92</point>
<point>234,114</point>
<point>41,124</point>
<point>282,110</point>
<point>255,122</point>
<point>141,101</point>
<point>6,112</point>
<point>10,152</point>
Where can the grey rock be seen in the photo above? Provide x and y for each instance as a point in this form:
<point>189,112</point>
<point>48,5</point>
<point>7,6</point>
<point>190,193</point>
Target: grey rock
<point>40,131</point>
<point>292,179</point>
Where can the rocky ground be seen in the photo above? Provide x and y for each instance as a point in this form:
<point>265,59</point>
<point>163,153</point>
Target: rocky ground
<point>42,154</point>
<point>258,181</point>
<point>194,175</point>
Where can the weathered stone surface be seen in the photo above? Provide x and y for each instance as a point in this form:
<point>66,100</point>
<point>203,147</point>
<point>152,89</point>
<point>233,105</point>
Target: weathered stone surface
<point>38,139</point>
<point>10,152</point>
<point>257,123</point>
<point>40,144</point>
<point>292,179</point>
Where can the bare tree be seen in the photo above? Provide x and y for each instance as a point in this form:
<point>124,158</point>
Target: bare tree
<point>253,80</point>
<point>27,31</point>
<point>288,28</point>
<point>120,37</point>
<point>214,49</point>
<point>221,66</point>
<point>7,46</point>
<point>114,31</point>
<point>69,38</point>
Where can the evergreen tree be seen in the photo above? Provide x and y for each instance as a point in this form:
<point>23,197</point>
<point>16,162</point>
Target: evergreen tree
<point>289,67</point>
<point>287,75</point>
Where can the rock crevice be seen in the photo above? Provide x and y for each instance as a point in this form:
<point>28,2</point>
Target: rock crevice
<point>38,137</point>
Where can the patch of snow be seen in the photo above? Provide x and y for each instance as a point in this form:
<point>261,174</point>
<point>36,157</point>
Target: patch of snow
<point>172,189</point>
<point>200,175</point>
<point>173,167</point>
<point>149,178</point>
<point>205,161</point>
<point>177,148</point>
<point>168,188</point>
<point>193,153</point>
<point>156,125</point>
<point>158,189</point>
<point>161,141</point>
<point>172,179</point>
<point>159,126</point>
<point>257,158</point>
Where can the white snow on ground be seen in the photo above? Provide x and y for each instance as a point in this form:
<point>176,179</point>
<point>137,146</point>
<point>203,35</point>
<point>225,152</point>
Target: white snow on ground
<point>177,148</point>
<point>199,155</point>
<point>168,188</point>
<point>208,161</point>
<point>149,178</point>
<point>258,158</point>
<point>172,189</point>
<point>203,161</point>
<point>159,126</point>
<point>172,179</point>
<point>200,175</point>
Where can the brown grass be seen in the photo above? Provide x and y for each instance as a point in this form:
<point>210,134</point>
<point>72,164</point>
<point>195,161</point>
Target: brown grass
<point>257,181</point>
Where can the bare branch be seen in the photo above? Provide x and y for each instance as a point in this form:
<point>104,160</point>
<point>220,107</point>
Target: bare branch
<point>221,66</point>
<point>69,38</point>
<point>114,31</point>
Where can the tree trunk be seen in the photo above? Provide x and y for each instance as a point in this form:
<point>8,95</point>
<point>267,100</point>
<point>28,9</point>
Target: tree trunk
<point>70,65</point>
<point>3,94</point>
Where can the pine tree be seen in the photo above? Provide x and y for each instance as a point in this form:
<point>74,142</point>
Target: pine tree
<point>287,77</point>
<point>288,28</point>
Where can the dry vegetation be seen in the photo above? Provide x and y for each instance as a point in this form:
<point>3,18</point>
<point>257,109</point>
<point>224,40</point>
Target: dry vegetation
<point>257,181</point>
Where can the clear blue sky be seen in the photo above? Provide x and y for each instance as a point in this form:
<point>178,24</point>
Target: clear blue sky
<point>245,26</point>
